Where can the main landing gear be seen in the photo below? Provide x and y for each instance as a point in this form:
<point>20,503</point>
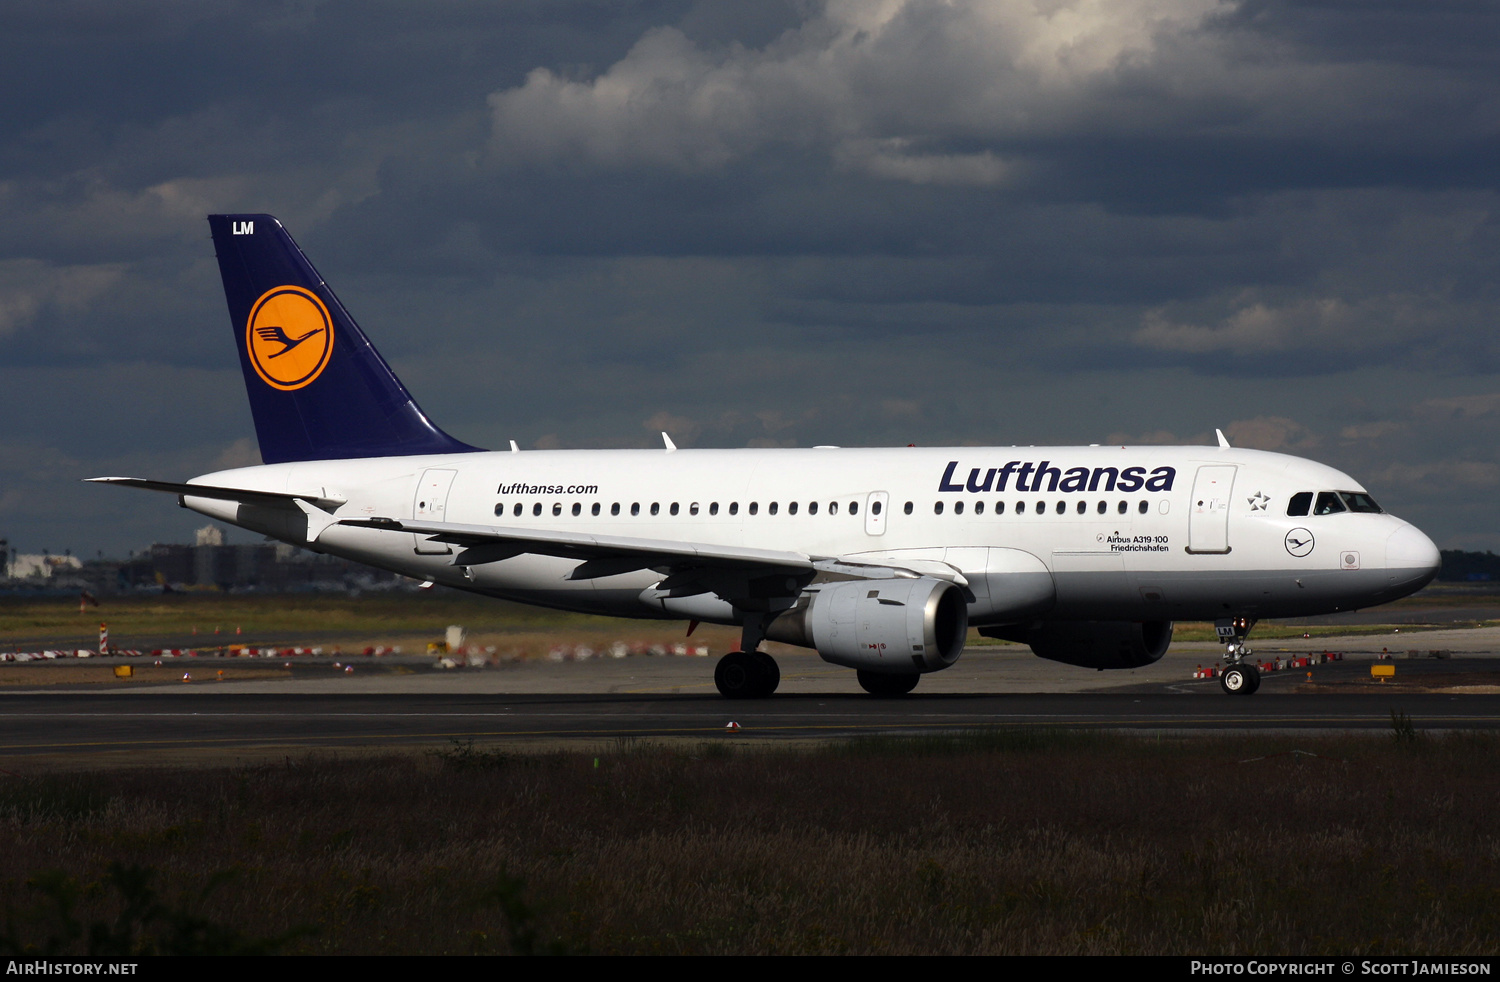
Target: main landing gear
<point>1240,677</point>
<point>748,674</point>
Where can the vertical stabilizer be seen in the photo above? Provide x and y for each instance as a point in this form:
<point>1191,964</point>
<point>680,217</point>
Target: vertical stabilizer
<point>318,389</point>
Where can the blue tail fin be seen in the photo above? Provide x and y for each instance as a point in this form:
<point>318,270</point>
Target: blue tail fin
<point>318,389</point>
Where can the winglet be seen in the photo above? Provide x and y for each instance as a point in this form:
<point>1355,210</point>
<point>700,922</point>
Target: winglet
<point>668,441</point>
<point>1223,440</point>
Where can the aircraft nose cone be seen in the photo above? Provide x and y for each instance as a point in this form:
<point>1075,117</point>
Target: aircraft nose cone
<point>1411,557</point>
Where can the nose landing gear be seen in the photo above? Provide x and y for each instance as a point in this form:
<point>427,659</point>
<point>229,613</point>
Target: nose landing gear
<point>1240,677</point>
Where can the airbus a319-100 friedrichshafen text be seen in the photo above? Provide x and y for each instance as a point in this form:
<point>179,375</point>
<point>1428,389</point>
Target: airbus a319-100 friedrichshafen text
<point>880,559</point>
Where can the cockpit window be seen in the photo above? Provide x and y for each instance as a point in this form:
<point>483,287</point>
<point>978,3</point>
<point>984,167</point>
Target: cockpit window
<point>1300,503</point>
<point>1329,503</point>
<point>1361,502</point>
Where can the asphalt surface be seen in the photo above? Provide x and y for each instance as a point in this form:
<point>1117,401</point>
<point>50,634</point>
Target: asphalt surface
<point>382,706</point>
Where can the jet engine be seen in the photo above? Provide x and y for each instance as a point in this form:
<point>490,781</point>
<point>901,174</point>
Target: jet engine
<point>1091,644</point>
<point>897,626</point>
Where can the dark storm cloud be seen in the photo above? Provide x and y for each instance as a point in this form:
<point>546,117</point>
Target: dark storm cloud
<point>576,223</point>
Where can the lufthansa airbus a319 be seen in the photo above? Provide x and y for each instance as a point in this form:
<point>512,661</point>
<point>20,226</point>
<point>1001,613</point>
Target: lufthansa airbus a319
<point>880,559</point>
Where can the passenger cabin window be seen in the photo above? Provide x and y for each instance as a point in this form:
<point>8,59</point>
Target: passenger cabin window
<point>713,508</point>
<point>577,509</point>
<point>833,508</point>
<point>979,508</point>
<point>693,508</point>
<point>791,509</point>
<point>1143,506</point>
<point>754,507</point>
<point>673,509</point>
<point>812,507</point>
<point>771,509</point>
<point>734,508</point>
<point>1329,503</point>
<point>1062,507</point>
<point>854,508</point>
<point>1103,507</point>
<point>518,509</point>
<point>536,509</point>
<point>614,509</point>
<point>958,508</point>
<point>1123,507</point>
<point>999,508</point>
<point>1300,503</point>
<point>937,508</point>
<point>875,508</point>
<point>556,508</point>
<point>656,508</point>
<point>594,509</point>
<point>635,508</point>
<point>499,510</point>
<point>1020,508</point>
<point>907,509</point>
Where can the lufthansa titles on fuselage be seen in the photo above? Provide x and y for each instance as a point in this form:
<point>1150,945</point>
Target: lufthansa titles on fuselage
<point>523,488</point>
<point>1046,477</point>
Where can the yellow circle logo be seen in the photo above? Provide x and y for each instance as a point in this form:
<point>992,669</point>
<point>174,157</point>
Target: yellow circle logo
<point>289,337</point>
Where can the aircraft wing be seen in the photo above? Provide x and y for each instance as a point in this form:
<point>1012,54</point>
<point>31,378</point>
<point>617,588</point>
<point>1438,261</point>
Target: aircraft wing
<point>246,495</point>
<point>736,573</point>
<point>603,555</point>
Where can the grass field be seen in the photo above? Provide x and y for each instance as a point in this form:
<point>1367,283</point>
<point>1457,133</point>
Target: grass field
<point>996,842</point>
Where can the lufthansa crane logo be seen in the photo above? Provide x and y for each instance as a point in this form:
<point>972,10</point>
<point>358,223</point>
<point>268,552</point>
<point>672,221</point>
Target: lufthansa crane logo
<point>289,337</point>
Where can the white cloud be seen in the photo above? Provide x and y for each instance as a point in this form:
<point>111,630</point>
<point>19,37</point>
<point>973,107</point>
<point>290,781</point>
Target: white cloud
<point>30,286</point>
<point>1327,324</point>
<point>877,86</point>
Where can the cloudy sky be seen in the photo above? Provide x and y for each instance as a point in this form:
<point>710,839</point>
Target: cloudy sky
<point>574,223</point>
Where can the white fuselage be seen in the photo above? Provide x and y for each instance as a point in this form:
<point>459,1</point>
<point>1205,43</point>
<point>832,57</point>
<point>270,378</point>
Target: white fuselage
<point>1190,532</point>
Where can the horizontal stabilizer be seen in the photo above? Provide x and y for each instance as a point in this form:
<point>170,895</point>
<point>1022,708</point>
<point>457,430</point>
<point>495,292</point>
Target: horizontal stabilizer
<point>224,494</point>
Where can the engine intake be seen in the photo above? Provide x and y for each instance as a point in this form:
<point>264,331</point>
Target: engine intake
<point>892,627</point>
<point>1091,644</point>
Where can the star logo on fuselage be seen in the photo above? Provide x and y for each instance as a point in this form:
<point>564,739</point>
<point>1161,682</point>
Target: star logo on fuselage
<point>1258,501</point>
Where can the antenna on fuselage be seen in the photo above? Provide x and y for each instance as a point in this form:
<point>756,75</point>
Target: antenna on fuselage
<point>1223,440</point>
<point>668,441</point>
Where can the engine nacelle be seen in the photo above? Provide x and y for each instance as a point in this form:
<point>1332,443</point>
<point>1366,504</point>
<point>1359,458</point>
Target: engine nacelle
<point>893,627</point>
<point>1091,644</point>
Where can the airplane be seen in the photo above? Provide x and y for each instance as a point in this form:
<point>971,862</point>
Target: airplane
<point>880,559</point>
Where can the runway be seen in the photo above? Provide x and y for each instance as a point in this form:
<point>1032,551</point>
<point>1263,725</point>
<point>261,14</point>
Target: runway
<point>216,726</point>
<point>384,707</point>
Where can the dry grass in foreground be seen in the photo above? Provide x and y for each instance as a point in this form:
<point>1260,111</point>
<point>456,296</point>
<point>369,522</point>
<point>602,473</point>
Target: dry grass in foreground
<point>993,842</point>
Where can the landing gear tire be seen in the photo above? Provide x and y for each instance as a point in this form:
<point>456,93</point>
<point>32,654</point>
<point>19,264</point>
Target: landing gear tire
<point>746,676</point>
<point>1240,680</point>
<point>877,684</point>
<point>770,671</point>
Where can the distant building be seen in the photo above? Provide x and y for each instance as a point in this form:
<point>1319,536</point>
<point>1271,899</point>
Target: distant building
<point>42,567</point>
<point>208,564</point>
